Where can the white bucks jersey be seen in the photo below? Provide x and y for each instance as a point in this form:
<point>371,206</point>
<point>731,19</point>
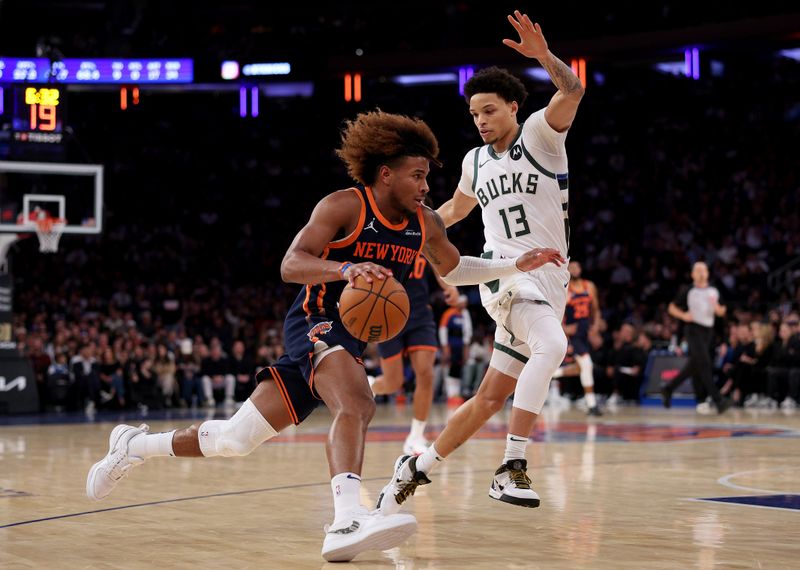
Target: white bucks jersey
<point>524,192</point>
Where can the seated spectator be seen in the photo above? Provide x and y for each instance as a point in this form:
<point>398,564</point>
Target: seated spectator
<point>188,374</point>
<point>243,369</point>
<point>165,368</point>
<point>627,368</point>
<point>783,369</point>
<point>112,388</point>
<point>763,335</point>
<point>40,362</point>
<point>146,393</point>
<point>58,383</point>
<point>83,368</point>
<point>216,376</point>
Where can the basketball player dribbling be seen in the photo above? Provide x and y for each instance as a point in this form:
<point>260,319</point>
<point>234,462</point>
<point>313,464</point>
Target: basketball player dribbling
<point>519,179</point>
<point>389,156</point>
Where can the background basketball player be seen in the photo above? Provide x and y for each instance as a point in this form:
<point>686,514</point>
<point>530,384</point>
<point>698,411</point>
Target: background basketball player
<point>455,335</point>
<point>581,314</point>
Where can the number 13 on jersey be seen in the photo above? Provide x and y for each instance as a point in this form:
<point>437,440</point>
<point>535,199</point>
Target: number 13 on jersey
<point>515,216</point>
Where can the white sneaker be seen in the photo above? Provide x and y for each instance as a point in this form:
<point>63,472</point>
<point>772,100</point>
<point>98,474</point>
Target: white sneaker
<point>788,404</point>
<point>751,401</point>
<point>415,445</point>
<point>365,530</point>
<point>106,473</point>
<point>704,408</point>
<point>511,484</point>
<point>402,485</point>
<point>614,400</point>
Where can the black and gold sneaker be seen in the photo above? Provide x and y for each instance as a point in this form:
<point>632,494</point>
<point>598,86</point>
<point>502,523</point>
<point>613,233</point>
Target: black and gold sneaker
<point>404,483</point>
<point>511,484</point>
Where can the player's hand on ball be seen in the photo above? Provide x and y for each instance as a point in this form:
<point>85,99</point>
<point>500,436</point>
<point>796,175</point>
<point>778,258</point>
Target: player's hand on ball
<point>537,257</point>
<point>367,270</point>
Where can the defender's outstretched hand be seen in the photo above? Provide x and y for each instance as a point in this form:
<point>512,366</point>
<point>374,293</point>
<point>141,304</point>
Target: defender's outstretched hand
<point>537,257</point>
<point>532,42</point>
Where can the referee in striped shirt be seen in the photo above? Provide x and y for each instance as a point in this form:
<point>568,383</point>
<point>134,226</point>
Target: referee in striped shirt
<point>697,307</point>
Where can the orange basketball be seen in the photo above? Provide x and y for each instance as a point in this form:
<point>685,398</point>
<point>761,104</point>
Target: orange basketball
<point>374,312</point>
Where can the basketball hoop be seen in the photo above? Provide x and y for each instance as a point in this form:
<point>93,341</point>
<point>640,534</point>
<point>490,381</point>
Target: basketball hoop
<point>49,231</point>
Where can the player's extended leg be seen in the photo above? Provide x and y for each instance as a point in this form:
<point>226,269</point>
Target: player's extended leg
<point>259,419</point>
<point>538,325</point>
<point>410,471</point>
<point>587,381</point>
<point>342,384</point>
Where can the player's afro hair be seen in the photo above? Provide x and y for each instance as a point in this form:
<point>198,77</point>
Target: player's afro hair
<point>376,138</point>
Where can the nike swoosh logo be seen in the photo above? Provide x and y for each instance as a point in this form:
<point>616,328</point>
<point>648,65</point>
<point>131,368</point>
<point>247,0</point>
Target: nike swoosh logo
<point>353,477</point>
<point>484,163</point>
<point>515,439</point>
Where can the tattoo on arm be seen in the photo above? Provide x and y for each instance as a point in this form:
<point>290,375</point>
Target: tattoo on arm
<point>430,255</point>
<point>561,74</point>
<point>429,252</point>
<point>439,222</point>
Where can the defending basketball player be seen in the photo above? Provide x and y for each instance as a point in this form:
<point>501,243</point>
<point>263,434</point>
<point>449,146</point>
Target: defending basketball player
<point>519,179</point>
<point>389,156</point>
<point>582,313</point>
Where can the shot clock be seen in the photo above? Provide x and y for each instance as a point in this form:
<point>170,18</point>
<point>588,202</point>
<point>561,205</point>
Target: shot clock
<point>38,110</point>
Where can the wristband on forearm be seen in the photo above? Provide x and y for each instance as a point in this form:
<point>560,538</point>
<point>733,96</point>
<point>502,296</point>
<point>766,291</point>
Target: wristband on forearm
<point>343,268</point>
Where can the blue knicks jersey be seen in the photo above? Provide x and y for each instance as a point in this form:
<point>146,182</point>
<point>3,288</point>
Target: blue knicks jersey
<point>579,308</point>
<point>375,239</point>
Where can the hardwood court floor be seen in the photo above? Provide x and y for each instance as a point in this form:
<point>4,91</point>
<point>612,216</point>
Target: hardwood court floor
<point>617,492</point>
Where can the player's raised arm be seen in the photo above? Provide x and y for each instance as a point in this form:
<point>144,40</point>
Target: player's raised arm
<point>333,215</point>
<point>563,106</point>
<point>456,269</point>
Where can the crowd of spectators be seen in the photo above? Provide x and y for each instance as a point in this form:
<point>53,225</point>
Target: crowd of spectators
<point>664,171</point>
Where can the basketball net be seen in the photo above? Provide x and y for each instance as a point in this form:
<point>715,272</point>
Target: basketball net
<point>49,231</point>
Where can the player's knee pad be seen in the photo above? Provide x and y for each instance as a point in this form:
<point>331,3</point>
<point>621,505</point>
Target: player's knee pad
<point>237,436</point>
<point>552,347</point>
<point>587,372</point>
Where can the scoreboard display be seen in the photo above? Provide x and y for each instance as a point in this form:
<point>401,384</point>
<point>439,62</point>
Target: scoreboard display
<point>33,95</point>
<point>33,121</point>
<point>38,114</point>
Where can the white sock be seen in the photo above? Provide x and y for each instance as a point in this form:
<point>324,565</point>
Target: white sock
<point>452,386</point>
<point>587,378</point>
<point>417,429</point>
<point>429,459</point>
<point>515,447</point>
<point>146,445</point>
<point>346,488</point>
